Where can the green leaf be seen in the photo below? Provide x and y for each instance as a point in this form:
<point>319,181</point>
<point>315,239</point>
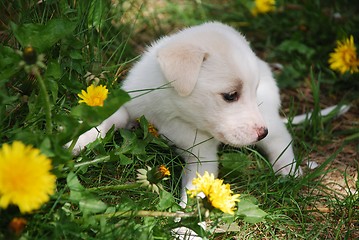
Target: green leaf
<point>92,205</point>
<point>144,125</point>
<point>129,138</point>
<point>238,161</point>
<point>166,201</point>
<point>96,14</point>
<point>250,211</point>
<point>40,36</point>
<point>76,55</point>
<point>53,70</point>
<point>46,147</point>
<point>52,74</point>
<point>160,142</point>
<point>9,62</point>
<point>125,160</point>
<point>76,189</point>
<point>69,126</point>
<point>294,46</point>
<point>131,144</point>
<point>88,114</point>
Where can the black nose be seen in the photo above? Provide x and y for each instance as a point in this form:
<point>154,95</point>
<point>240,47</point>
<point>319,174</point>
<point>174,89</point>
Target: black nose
<point>262,133</point>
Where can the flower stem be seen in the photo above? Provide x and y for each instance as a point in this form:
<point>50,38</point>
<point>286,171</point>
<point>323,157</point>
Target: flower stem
<point>96,160</point>
<point>145,213</point>
<point>73,143</point>
<point>43,91</point>
<point>118,187</point>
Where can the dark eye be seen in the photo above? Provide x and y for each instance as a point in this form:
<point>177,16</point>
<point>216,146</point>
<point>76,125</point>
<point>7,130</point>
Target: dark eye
<point>231,96</point>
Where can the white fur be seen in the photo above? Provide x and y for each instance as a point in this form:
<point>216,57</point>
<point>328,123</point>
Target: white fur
<point>335,110</point>
<point>188,73</point>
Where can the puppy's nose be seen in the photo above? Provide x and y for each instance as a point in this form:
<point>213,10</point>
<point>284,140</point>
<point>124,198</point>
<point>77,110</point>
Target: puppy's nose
<point>262,132</point>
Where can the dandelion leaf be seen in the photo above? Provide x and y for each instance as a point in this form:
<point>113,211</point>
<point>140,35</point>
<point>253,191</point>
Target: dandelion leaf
<point>166,201</point>
<point>41,36</point>
<point>9,62</point>
<point>76,189</point>
<point>249,210</point>
<point>92,205</point>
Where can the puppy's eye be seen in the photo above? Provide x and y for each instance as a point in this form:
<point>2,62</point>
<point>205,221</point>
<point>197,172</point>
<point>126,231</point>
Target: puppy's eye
<point>231,96</point>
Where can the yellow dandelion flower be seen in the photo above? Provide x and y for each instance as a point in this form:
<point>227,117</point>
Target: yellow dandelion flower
<point>219,195</point>
<point>344,57</point>
<point>25,178</point>
<point>164,171</point>
<point>153,130</point>
<point>203,184</point>
<point>263,6</point>
<point>94,95</point>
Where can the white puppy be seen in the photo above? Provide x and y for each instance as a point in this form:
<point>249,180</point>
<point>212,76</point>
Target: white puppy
<point>202,86</point>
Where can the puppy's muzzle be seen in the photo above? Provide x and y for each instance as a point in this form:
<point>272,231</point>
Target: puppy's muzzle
<point>262,132</point>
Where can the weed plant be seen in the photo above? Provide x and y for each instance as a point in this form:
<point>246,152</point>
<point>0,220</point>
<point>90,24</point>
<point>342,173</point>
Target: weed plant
<point>77,43</point>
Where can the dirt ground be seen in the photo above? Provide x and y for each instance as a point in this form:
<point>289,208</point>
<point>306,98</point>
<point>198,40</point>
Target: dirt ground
<point>341,177</point>
<point>342,174</point>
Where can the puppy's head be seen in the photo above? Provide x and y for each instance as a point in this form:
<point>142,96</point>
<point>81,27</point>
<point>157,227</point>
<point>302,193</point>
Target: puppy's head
<point>215,75</point>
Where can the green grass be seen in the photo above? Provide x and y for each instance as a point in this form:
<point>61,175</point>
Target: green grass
<point>105,39</point>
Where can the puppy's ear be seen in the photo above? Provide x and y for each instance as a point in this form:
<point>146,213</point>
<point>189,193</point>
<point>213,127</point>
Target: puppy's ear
<point>181,63</point>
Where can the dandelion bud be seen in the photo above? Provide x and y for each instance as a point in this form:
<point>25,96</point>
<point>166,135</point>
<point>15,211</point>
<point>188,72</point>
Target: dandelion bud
<point>152,176</point>
<point>157,174</point>
<point>29,55</point>
<point>17,225</point>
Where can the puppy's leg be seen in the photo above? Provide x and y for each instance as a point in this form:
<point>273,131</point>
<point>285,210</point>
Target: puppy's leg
<point>198,150</point>
<point>278,143</point>
<point>119,119</point>
<point>278,147</point>
<point>200,158</point>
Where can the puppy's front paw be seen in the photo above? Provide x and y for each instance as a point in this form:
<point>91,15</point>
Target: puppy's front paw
<point>185,233</point>
<point>290,170</point>
<point>86,138</point>
<point>76,150</point>
<point>79,146</point>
